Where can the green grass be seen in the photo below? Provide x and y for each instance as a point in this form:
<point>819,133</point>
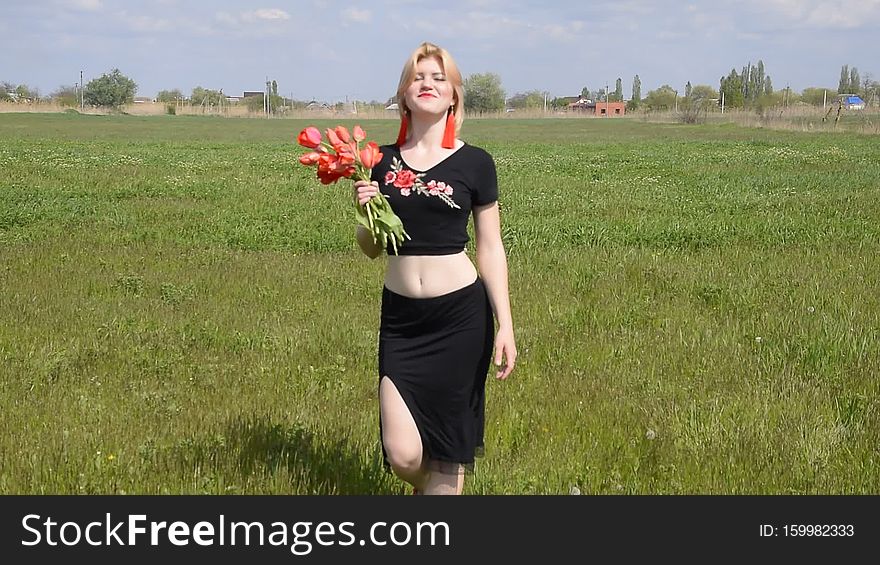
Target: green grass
<point>185,310</point>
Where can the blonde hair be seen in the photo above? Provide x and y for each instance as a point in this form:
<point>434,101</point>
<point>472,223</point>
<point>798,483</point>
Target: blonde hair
<point>453,75</point>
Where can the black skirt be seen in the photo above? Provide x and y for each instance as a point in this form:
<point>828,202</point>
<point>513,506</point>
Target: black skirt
<point>437,352</point>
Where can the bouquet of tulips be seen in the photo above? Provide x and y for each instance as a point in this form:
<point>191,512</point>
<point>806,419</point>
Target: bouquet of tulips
<point>343,157</point>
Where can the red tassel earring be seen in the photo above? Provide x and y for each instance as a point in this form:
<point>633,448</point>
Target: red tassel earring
<point>449,132</point>
<point>401,135</point>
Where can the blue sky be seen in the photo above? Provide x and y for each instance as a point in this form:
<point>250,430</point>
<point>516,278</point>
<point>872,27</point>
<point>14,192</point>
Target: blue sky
<point>337,50</point>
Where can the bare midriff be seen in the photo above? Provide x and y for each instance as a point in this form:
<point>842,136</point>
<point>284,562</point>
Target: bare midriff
<point>426,276</point>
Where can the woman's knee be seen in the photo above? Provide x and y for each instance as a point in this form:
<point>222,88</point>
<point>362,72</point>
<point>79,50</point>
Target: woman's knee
<point>404,459</point>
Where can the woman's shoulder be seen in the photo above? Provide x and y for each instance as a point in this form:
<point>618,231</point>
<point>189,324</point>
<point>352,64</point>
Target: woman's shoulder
<point>389,152</point>
<point>477,157</point>
<point>476,152</point>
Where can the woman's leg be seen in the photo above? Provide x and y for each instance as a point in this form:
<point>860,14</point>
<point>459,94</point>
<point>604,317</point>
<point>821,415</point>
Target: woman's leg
<point>400,436</point>
<point>444,483</point>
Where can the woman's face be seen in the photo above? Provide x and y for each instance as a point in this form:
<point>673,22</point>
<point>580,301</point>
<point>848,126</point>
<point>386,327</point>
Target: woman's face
<point>430,91</point>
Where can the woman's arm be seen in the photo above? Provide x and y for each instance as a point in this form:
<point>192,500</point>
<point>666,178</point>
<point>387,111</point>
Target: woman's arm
<point>363,192</point>
<point>365,241</point>
<point>492,263</point>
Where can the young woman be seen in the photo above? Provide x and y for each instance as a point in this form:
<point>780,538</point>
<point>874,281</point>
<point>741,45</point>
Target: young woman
<point>437,331</point>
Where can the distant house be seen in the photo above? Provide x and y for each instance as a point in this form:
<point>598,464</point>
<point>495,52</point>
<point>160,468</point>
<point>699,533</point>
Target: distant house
<point>249,93</point>
<point>853,103</point>
<point>315,105</point>
<point>579,103</point>
<point>234,99</point>
<point>393,106</point>
<point>598,108</point>
<point>143,100</point>
<point>568,100</point>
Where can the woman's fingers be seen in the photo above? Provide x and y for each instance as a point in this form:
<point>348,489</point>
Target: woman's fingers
<point>508,353</point>
<point>365,191</point>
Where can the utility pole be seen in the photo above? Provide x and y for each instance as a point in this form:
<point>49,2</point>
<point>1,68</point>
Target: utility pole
<point>82,93</point>
<point>722,102</point>
<point>824,98</point>
<point>606,99</point>
<point>266,103</point>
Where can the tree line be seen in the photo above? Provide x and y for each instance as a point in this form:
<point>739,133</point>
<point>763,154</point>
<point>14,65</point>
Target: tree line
<point>751,87</point>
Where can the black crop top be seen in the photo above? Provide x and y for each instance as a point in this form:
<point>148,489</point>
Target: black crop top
<point>434,205</point>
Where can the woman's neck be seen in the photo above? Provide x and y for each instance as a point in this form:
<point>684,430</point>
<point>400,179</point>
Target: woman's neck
<point>427,132</point>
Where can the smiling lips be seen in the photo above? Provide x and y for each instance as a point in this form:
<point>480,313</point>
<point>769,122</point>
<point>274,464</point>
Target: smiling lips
<point>422,95</point>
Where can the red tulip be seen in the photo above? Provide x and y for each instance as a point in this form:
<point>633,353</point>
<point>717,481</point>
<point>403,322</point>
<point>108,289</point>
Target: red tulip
<point>346,156</point>
<point>327,177</point>
<point>326,161</point>
<point>310,158</point>
<point>370,155</point>
<point>334,139</point>
<point>343,134</point>
<point>359,134</point>
<point>309,137</point>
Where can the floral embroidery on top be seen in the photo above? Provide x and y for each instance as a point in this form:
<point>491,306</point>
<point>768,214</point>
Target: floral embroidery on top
<point>408,181</point>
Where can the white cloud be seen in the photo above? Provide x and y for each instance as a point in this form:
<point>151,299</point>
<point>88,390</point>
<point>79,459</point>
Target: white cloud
<point>252,17</point>
<point>823,14</point>
<point>356,16</point>
<point>85,5</point>
<point>265,14</point>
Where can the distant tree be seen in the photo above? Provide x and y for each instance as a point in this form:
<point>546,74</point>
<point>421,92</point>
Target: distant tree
<point>843,85</point>
<point>872,92</point>
<point>687,90</point>
<point>523,100</point>
<point>760,79</point>
<point>697,103</point>
<point>817,95</point>
<point>585,93</point>
<point>256,103</point>
<point>789,96</point>
<point>772,100</point>
<point>483,93</point>
<point>854,81</point>
<point>205,97</point>
<point>66,96</point>
<point>636,98</point>
<point>866,86</point>
<point>170,95</point>
<point>618,91</point>
<point>560,102</point>
<point>768,86</point>
<point>732,90</point>
<point>110,90</point>
<point>661,99</point>
<point>6,88</point>
<point>703,92</point>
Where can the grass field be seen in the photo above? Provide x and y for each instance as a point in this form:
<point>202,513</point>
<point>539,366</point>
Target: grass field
<point>184,310</point>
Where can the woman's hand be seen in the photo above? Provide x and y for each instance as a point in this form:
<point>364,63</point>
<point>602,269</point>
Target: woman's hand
<point>505,348</point>
<point>364,191</point>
